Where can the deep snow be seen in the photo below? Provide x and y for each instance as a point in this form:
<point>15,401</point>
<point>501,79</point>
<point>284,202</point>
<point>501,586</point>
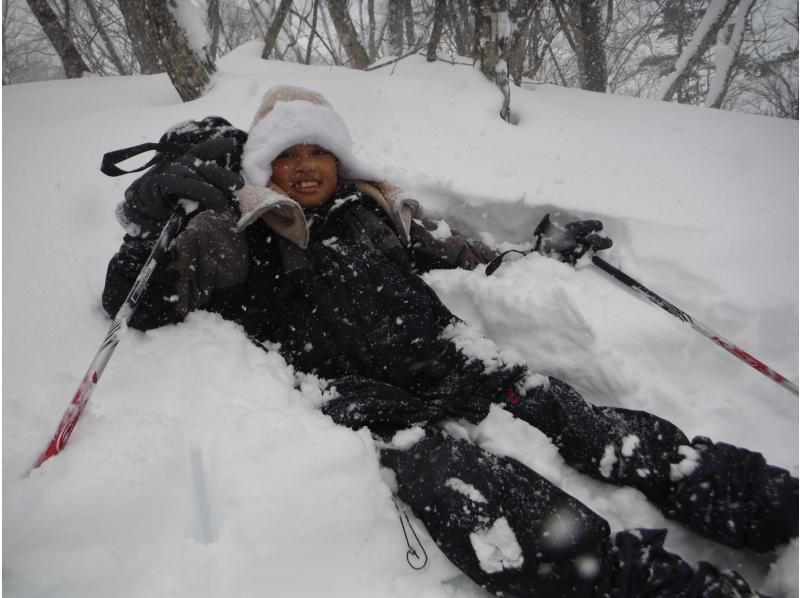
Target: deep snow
<point>702,206</point>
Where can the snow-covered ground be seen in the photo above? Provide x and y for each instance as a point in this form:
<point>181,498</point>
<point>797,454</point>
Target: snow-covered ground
<point>702,206</point>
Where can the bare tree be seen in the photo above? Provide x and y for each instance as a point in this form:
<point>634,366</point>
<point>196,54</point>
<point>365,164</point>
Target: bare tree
<point>408,14</point>
<point>187,69</point>
<point>591,46</point>
<point>729,42</point>
<point>100,27</point>
<point>333,46</point>
<point>292,33</point>
<point>143,42</point>
<point>275,27</point>
<point>214,25</point>
<point>58,34</point>
<point>372,45</point>
<point>27,53</point>
<point>717,14</point>
<point>460,21</point>
<point>628,47</point>
<point>313,32</point>
<point>347,34</point>
<point>491,39</point>
<point>584,30</point>
<point>394,24</point>
<point>436,34</point>
<point>521,16</point>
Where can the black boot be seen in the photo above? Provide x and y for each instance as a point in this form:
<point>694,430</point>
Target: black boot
<point>726,493</point>
<point>639,566</point>
<point>734,497</point>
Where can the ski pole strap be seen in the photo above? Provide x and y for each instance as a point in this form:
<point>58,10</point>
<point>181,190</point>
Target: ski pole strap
<point>164,151</point>
<point>699,327</point>
<point>413,558</point>
<point>498,261</point>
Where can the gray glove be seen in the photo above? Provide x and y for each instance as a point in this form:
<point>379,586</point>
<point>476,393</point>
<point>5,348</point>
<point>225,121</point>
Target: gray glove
<point>209,255</point>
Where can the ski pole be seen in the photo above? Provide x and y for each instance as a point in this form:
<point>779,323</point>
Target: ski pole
<point>701,328</point>
<point>112,338</point>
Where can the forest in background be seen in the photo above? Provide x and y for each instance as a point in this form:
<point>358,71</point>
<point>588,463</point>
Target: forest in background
<point>737,55</point>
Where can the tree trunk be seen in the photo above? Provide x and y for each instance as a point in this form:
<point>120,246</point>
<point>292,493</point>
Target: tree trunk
<point>214,25</point>
<point>7,71</point>
<point>313,32</point>
<point>188,71</point>
<point>436,34</point>
<point>74,65</point>
<point>275,28</point>
<point>113,56</point>
<point>717,14</point>
<point>725,54</point>
<point>372,46</point>
<point>394,20</point>
<point>332,48</point>
<point>491,29</point>
<point>347,34</point>
<point>592,42</point>
<point>411,38</point>
<point>140,32</point>
<point>521,16</point>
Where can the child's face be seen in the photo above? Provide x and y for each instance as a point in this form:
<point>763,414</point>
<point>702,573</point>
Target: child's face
<point>307,173</point>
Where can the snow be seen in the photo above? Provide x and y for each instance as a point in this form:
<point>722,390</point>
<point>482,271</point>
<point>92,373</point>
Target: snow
<point>404,439</point>
<point>467,490</point>
<point>690,461</point>
<point>607,461</point>
<point>188,16</point>
<point>203,468</point>
<point>629,444</point>
<point>475,346</point>
<point>496,547</point>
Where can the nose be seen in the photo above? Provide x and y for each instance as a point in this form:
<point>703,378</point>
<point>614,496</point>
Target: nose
<point>304,163</point>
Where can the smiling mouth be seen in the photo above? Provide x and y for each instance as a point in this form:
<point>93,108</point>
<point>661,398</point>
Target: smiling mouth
<point>306,186</point>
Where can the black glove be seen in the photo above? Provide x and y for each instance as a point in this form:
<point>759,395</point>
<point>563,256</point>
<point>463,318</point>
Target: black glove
<point>570,242</point>
<point>200,175</point>
<point>377,405</point>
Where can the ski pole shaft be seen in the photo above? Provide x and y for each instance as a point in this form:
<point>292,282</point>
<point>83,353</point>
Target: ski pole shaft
<point>699,327</point>
<point>112,338</point>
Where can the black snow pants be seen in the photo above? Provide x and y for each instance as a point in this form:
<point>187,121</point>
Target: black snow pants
<point>516,534</point>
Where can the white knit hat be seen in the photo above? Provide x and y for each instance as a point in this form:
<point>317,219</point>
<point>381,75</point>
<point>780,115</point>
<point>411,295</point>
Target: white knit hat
<point>291,116</point>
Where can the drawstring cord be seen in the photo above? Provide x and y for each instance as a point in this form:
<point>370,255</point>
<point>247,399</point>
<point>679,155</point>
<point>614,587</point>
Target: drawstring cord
<point>411,553</point>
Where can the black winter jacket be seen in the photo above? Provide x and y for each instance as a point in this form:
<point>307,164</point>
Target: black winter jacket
<point>352,304</point>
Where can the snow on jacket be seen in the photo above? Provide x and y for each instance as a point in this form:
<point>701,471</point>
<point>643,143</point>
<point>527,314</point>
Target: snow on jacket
<point>351,302</point>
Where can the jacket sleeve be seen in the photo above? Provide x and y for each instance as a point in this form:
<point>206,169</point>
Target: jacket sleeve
<point>456,251</point>
<point>363,402</point>
<point>158,304</point>
<point>208,256</point>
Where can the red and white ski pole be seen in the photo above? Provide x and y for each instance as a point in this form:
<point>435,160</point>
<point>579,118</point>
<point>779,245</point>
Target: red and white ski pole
<point>701,328</point>
<point>112,338</point>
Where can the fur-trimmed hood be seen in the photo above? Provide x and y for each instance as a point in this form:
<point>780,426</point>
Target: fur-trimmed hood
<point>290,116</point>
<point>285,216</point>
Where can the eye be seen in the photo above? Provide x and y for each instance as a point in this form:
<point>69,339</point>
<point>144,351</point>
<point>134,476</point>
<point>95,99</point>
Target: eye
<point>320,152</point>
<point>285,156</point>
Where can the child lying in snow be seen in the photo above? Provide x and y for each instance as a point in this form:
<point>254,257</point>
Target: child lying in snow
<point>315,256</point>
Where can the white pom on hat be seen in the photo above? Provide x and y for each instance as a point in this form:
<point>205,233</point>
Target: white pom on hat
<point>291,116</point>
